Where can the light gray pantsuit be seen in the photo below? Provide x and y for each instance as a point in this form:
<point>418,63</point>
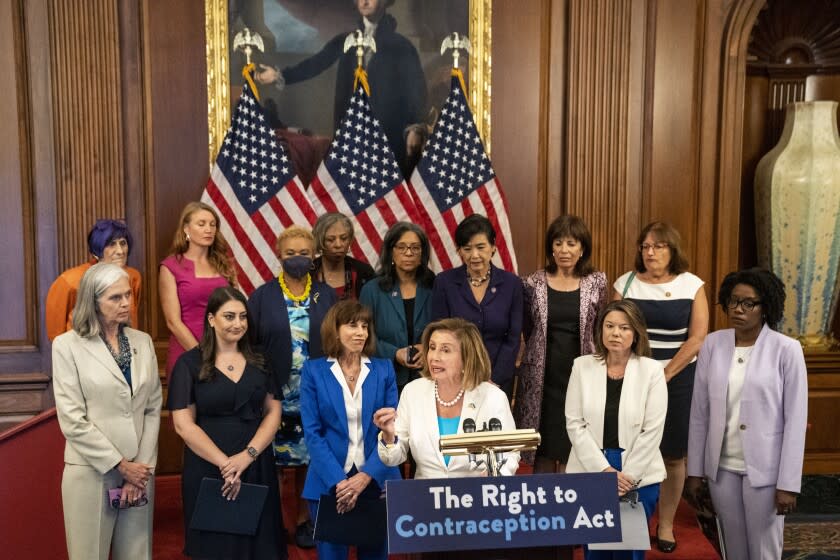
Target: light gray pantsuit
<point>93,528</point>
<point>105,421</point>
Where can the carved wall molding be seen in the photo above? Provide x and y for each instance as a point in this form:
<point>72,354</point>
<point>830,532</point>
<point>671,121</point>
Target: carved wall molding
<point>604,122</point>
<point>88,133</point>
<point>793,33</point>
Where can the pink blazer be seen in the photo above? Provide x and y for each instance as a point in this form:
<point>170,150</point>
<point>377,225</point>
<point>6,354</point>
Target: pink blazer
<point>774,409</point>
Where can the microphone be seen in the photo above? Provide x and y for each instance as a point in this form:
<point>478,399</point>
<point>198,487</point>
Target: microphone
<point>496,426</point>
<point>469,427</point>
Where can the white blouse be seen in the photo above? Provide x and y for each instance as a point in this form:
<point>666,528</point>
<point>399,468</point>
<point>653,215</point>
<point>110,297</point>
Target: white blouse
<point>732,451</point>
<point>353,407</point>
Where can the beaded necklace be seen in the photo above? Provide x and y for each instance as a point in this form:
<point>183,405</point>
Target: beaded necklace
<point>447,404</point>
<point>288,293</point>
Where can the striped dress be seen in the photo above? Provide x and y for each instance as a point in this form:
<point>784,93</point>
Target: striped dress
<point>667,311</point>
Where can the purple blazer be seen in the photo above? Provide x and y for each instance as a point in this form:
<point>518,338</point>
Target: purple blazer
<point>774,409</point>
<point>498,316</point>
<point>593,296</point>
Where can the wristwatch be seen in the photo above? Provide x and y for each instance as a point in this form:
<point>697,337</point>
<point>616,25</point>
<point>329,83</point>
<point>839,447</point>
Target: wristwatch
<point>253,453</point>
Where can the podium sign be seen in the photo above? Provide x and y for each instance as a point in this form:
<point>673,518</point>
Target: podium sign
<point>502,512</point>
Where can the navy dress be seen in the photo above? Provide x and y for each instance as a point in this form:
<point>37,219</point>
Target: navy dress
<point>498,315</point>
<point>229,413</point>
<point>667,311</point>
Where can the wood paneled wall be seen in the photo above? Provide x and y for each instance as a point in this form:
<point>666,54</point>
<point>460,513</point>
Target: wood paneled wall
<point>25,177</point>
<point>627,125</point>
<point>86,74</point>
<point>15,213</point>
<point>604,135</point>
<point>175,102</point>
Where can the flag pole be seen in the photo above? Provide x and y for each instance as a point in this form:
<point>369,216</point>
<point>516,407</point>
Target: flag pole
<point>360,42</point>
<point>456,43</point>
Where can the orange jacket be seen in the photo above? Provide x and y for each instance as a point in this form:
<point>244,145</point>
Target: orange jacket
<point>61,299</point>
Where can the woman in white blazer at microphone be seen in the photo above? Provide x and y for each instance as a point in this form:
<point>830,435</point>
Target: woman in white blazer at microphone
<point>615,410</point>
<point>454,387</point>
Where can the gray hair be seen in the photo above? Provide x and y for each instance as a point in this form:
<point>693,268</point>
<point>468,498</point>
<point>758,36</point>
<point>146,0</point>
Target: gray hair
<point>325,222</point>
<point>96,280</point>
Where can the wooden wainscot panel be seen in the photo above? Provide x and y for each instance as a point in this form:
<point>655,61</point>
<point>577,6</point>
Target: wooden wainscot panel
<point>170,447</point>
<point>822,446</point>
<point>21,396</point>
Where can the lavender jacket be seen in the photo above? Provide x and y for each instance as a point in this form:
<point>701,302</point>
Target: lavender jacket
<point>774,409</point>
<point>529,394</point>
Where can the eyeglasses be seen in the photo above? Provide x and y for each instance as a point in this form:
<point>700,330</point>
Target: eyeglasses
<point>746,304</point>
<point>405,249</point>
<point>645,247</point>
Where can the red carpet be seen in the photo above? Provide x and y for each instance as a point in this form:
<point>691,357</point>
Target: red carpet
<point>169,527</point>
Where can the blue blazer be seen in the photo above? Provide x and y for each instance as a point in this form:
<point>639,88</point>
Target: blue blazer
<point>498,316</point>
<point>325,423</point>
<point>270,330</point>
<point>390,322</point>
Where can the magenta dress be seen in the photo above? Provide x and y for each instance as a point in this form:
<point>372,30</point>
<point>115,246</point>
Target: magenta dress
<point>193,294</point>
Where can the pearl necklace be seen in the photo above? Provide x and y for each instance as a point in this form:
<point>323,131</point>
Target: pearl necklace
<point>453,402</point>
<point>476,282</point>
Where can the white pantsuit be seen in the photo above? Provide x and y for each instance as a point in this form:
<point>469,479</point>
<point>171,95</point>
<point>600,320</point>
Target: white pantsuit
<point>104,421</point>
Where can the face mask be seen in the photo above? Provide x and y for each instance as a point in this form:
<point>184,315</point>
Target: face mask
<point>297,266</point>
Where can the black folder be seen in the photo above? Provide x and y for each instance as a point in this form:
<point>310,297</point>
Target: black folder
<point>364,525</point>
<point>214,512</point>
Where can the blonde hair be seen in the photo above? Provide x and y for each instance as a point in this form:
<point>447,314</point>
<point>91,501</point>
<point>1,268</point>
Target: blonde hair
<point>218,252</point>
<point>474,357</point>
<point>293,232</point>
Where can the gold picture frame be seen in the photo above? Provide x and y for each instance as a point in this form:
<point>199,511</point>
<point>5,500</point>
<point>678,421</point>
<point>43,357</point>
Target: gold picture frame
<point>218,79</point>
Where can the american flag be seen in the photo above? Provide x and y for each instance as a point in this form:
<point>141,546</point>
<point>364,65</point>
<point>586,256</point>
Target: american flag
<point>359,177</point>
<point>256,193</point>
<point>454,179</point>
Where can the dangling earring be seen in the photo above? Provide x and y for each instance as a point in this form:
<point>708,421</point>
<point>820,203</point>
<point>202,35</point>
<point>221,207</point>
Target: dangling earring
<point>187,235</point>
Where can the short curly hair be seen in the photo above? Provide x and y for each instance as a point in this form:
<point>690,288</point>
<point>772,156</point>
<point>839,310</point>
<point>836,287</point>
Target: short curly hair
<point>768,286</point>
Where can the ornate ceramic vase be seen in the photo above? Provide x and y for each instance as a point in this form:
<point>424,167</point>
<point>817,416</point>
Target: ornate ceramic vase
<point>797,204</point>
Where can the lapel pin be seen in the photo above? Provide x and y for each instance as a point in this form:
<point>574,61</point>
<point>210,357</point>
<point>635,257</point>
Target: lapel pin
<point>493,290</point>
<point>471,405</point>
<point>394,293</point>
